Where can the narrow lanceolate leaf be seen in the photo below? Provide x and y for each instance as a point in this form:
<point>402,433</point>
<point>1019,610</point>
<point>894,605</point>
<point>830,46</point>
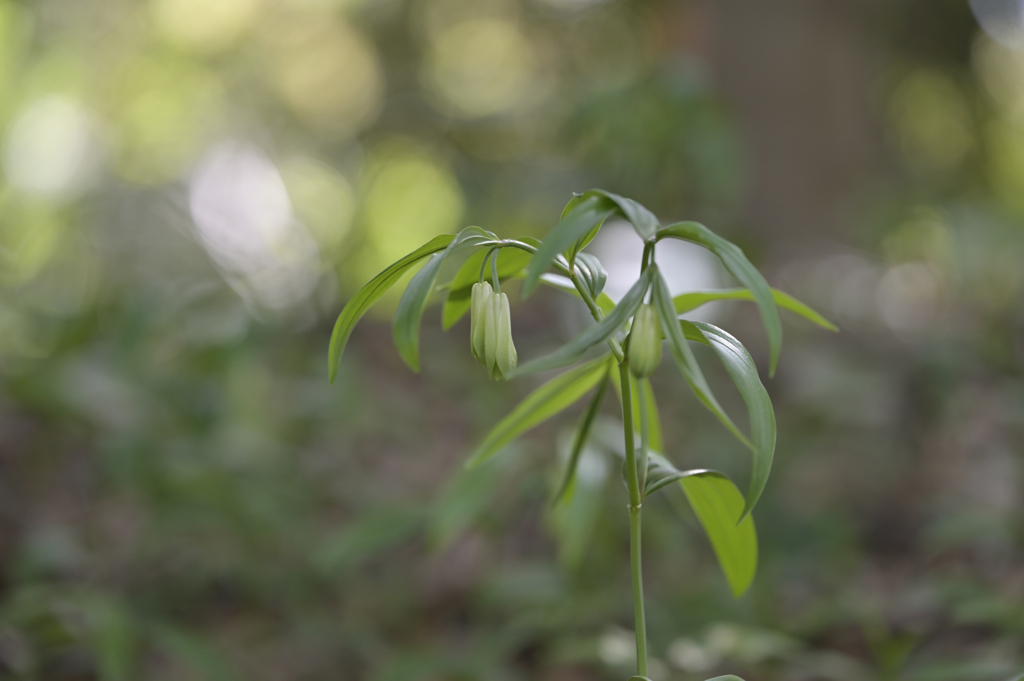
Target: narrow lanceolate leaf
<point>511,262</point>
<point>644,221</point>
<point>406,328</point>
<point>582,433</point>
<point>717,503</point>
<point>371,293</point>
<point>581,243</point>
<point>589,213</point>
<point>683,355</point>
<point>558,281</point>
<point>685,302</point>
<point>540,405</point>
<point>741,369</point>
<point>598,333</point>
<point>736,262</point>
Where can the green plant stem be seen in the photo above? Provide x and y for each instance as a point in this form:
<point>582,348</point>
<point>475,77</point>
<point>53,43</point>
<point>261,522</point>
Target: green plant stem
<point>635,506</point>
<point>595,310</point>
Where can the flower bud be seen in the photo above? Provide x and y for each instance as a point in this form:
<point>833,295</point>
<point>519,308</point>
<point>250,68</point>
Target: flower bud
<point>480,302</point>
<point>504,350</point>
<point>645,342</point>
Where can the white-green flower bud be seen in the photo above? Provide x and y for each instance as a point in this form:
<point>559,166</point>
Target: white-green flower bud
<point>480,302</point>
<point>505,356</point>
<point>645,342</point>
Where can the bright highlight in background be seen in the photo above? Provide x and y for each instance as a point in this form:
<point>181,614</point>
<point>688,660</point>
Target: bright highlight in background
<point>50,149</point>
<point>245,221</point>
<point>1003,20</point>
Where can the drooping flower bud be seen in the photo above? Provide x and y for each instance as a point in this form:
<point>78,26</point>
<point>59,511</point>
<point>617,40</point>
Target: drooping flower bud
<point>480,303</point>
<point>645,342</point>
<point>505,356</point>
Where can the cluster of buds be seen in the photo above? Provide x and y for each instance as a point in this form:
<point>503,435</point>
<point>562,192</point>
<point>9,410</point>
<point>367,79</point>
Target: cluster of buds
<point>645,342</point>
<point>490,331</point>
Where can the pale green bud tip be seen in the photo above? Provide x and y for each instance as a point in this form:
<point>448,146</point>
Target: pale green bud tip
<point>645,342</point>
<point>505,356</point>
<point>480,302</point>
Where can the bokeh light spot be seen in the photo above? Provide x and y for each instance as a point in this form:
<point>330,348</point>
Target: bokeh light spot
<point>51,149</point>
<point>329,74</point>
<point>245,222</point>
<point>322,198</point>
<point>411,197</point>
<point>203,26</point>
<point>164,109</point>
<point>1003,20</point>
<point>479,67</point>
<point>932,121</point>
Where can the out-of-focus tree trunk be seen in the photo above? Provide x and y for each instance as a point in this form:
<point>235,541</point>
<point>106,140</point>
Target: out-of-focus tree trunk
<point>802,80</point>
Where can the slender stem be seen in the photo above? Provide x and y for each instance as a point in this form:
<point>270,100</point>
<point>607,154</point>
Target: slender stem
<point>644,431</point>
<point>581,288</point>
<point>635,504</point>
<point>494,272</point>
<point>483,263</point>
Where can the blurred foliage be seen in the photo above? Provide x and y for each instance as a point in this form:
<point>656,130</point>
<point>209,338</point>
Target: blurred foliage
<point>190,190</point>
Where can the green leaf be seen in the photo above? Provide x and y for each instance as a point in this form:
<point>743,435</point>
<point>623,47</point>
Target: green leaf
<point>573,521</point>
<point>598,333</point>
<point>743,372</point>
<point>582,433</point>
<point>683,355</point>
<point>644,221</point>
<point>717,503</point>
<point>371,293</point>
<point>691,301</point>
<point>540,405</point>
<point>727,677</point>
<point>571,253</point>
<point>201,657</point>
<point>406,328</point>
<point>511,262</point>
<point>558,281</point>
<point>592,273</point>
<point>736,262</point>
<point>589,213</point>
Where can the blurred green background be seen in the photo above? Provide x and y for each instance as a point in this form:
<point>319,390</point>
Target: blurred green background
<point>191,190</point>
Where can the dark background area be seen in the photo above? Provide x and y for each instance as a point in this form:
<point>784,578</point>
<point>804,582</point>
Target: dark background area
<point>190,191</point>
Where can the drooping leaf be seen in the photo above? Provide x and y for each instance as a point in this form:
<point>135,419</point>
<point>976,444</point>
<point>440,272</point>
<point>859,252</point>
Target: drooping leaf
<point>579,440</point>
<point>717,503</point>
<point>558,281</point>
<point>736,263</point>
<point>406,328</point>
<point>511,262</point>
<point>683,355</point>
<point>462,501</point>
<point>582,242</point>
<point>589,213</point>
<point>592,273</point>
<point>540,405</point>
<point>371,293</point>
<point>685,302</point>
<point>644,221</point>
<point>743,372</point>
<point>574,519</point>
<point>598,333</point>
